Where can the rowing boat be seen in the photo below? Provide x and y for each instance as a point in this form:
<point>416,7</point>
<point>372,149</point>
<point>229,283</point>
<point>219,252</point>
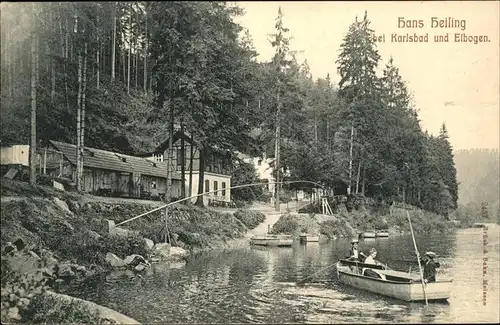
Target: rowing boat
<point>368,234</point>
<point>307,238</point>
<point>382,233</point>
<point>395,284</point>
<point>272,240</point>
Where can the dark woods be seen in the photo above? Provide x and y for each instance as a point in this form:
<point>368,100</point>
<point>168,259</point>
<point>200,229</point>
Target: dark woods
<point>135,68</point>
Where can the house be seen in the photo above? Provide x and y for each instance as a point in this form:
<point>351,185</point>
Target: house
<point>264,168</point>
<point>106,172</point>
<point>217,171</point>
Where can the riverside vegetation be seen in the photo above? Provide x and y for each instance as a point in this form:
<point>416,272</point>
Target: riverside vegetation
<point>61,238</point>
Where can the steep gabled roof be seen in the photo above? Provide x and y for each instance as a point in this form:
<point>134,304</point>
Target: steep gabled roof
<point>102,159</point>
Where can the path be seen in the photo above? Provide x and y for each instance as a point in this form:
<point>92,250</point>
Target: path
<point>272,216</point>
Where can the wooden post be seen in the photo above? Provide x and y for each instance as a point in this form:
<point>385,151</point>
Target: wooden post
<point>45,162</point>
<point>166,227</point>
<point>60,165</point>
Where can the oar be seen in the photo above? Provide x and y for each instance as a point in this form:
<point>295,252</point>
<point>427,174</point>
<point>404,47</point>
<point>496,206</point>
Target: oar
<point>418,258</point>
<point>304,280</point>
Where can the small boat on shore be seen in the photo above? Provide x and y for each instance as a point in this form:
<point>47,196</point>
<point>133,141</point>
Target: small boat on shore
<point>367,234</point>
<point>308,238</point>
<point>272,240</point>
<point>382,233</point>
<point>395,284</point>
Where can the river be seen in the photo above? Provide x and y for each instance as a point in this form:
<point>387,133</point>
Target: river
<point>260,285</point>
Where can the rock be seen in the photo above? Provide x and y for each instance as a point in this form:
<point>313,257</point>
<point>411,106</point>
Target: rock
<point>9,248</point>
<point>68,225</point>
<point>66,271</point>
<point>162,249</point>
<point>58,185</point>
<point>149,243</point>
<point>34,255</point>
<point>19,243</point>
<point>61,204</point>
<point>94,235</point>
<point>13,313</point>
<point>178,252</point>
<point>114,260</point>
<point>140,267</point>
<point>121,232</point>
<point>134,260</point>
<point>109,226</point>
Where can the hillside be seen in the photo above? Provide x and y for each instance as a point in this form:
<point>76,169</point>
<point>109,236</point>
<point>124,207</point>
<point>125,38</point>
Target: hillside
<point>478,174</point>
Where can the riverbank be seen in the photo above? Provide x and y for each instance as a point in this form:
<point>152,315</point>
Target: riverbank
<point>69,233</point>
<point>347,224</point>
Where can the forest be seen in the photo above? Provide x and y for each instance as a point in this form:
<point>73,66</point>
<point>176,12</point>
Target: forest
<point>118,75</point>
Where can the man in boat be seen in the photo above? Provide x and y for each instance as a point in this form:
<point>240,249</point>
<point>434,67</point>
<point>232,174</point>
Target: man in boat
<point>430,267</point>
<point>354,253</point>
<point>370,259</point>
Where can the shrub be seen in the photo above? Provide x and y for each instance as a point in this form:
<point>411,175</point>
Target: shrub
<point>250,219</point>
<point>48,310</point>
<point>285,225</point>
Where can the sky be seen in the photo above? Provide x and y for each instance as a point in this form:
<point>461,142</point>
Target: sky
<point>456,83</point>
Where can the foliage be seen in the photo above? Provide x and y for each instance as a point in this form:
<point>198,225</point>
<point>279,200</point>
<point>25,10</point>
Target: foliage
<point>250,219</point>
<point>286,224</point>
<point>48,310</point>
<point>244,173</point>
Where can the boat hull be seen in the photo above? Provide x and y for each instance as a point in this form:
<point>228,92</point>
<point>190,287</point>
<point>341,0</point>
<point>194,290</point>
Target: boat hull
<point>368,235</point>
<point>272,241</point>
<point>382,234</point>
<point>308,239</point>
<point>408,290</point>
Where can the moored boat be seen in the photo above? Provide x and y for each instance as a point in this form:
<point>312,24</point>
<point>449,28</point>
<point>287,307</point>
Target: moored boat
<point>368,234</point>
<point>308,238</point>
<point>382,233</point>
<point>395,284</point>
<point>272,240</point>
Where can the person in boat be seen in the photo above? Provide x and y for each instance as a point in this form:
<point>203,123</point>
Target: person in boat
<point>370,259</point>
<point>430,267</point>
<point>354,253</point>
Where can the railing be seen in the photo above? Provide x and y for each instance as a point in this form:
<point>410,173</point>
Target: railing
<point>194,196</point>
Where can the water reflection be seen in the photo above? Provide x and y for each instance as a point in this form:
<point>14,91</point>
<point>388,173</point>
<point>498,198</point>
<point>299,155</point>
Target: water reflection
<point>260,285</point>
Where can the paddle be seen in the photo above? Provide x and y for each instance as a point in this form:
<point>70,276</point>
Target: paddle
<point>418,259</point>
<point>306,278</point>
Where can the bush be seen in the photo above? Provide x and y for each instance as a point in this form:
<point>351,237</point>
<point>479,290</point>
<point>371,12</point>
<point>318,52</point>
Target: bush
<point>285,225</point>
<point>48,310</point>
<point>250,219</point>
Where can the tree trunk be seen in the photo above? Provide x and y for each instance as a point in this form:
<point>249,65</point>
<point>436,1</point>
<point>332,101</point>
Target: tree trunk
<point>170,150</point>
<point>78,123</point>
<point>32,155</point>
<point>98,56</point>
<point>327,132</point>
<point>364,182</point>
<point>113,54</point>
<point>53,88</point>
<point>191,167</point>
<point>129,47</point>
<point>136,47</point>
<point>350,161</point>
<point>146,56</point>
<point>316,129</point>
<point>183,163</point>
<point>201,178</point>
<point>82,120</point>
<point>358,176</point>
<point>277,153</point>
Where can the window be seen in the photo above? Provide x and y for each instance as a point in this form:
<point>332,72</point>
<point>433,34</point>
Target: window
<point>223,188</point>
<point>207,185</point>
<point>216,187</point>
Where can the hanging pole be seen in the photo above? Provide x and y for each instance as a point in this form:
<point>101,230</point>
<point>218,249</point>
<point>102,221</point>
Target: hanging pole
<point>418,258</point>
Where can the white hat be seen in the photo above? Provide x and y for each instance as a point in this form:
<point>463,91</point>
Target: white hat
<point>431,254</point>
<point>354,241</point>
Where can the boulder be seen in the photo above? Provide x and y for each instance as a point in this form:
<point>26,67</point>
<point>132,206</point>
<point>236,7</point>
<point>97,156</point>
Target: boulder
<point>135,259</point>
<point>13,313</point>
<point>178,252</point>
<point>58,185</point>
<point>140,267</point>
<point>149,243</point>
<point>108,226</point>
<point>66,271</point>
<point>162,250</point>
<point>62,205</point>
<point>114,260</point>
